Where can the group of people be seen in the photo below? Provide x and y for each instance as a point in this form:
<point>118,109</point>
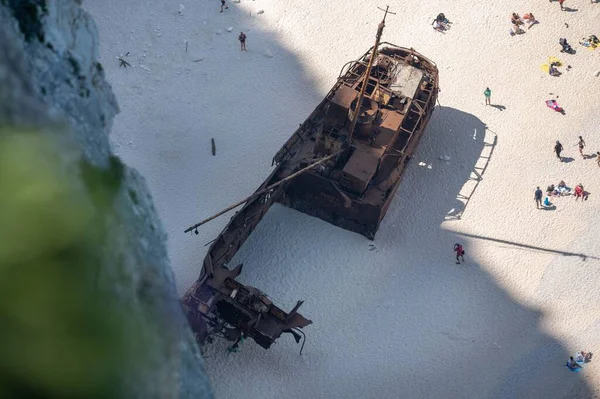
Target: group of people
<point>575,363</point>
<point>517,22</point>
<point>562,188</point>
<point>558,191</point>
<point>558,147</point>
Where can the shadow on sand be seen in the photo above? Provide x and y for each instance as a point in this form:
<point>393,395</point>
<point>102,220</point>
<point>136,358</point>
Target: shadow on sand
<point>249,102</point>
<point>392,318</point>
<point>527,247</point>
<point>396,317</point>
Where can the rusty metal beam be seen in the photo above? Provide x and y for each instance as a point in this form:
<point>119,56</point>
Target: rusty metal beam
<point>263,191</point>
<point>367,74</point>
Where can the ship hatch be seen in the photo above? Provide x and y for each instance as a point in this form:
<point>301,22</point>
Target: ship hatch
<point>339,105</point>
<point>407,81</point>
<point>360,169</point>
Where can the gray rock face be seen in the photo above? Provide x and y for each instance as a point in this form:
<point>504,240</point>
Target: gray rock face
<point>50,81</point>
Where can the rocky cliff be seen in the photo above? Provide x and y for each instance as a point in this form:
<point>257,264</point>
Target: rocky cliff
<point>52,86</point>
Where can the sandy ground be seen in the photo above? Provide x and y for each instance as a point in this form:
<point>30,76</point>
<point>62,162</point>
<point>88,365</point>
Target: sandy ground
<point>402,319</point>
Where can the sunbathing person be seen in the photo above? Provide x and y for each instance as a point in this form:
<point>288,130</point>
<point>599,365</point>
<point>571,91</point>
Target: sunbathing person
<point>563,189</point>
<point>572,364</point>
<point>515,19</point>
<point>439,26</point>
<point>441,18</point>
<point>583,357</point>
<point>516,30</point>
<point>566,47</point>
<point>590,41</point>
<point>552,70</point>
<point>585,42</point>
<point>529,19</point>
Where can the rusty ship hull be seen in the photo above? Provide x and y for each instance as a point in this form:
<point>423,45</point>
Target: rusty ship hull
<point>352,190</point>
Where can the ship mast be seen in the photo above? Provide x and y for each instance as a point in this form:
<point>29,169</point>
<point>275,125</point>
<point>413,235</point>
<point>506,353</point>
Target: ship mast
<point>309,167</point>
<point>367,74</point>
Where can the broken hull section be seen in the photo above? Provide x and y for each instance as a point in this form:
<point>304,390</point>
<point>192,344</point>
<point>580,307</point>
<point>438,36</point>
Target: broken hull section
<point>353,189</point>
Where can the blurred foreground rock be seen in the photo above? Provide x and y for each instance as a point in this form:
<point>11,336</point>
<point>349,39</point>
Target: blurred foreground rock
<point>53,88</point>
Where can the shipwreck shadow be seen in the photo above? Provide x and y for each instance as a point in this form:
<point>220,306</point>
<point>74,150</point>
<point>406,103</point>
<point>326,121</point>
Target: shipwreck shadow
<point>530,247</point>
<point>175,101</point>
<point>378,307</point>
<point>382,309</point>
<point>470,146</point>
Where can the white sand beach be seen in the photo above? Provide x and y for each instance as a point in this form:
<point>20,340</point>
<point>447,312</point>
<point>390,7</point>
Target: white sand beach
<point>401,319</point>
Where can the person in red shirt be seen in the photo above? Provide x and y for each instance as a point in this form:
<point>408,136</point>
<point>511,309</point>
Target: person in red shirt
<point>579,192</point>
<point>460,253</point>
<point>561,4</point>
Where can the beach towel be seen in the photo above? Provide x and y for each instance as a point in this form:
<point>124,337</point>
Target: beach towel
<point>554,105</point>
<point>591,42</point>
<point>573,369</point>
<point>553,59</point>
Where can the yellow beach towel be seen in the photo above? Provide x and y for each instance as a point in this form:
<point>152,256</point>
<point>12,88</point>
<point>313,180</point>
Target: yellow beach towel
<point>552,59</point>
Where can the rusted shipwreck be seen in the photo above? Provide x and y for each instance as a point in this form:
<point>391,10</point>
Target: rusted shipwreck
<point>343,165</point>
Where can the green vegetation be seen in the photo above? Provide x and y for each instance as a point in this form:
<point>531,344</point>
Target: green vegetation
<point>62,335</point>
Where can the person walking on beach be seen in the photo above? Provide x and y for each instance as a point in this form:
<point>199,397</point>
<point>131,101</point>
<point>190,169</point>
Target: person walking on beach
<point>538,197</point>
<point>487,93</point>
<point>223,5</point>
<point>242,39</point>
<point>558,149</point>
<point>581,144</point>
<point>460,253</point>
<point>580,192</point>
